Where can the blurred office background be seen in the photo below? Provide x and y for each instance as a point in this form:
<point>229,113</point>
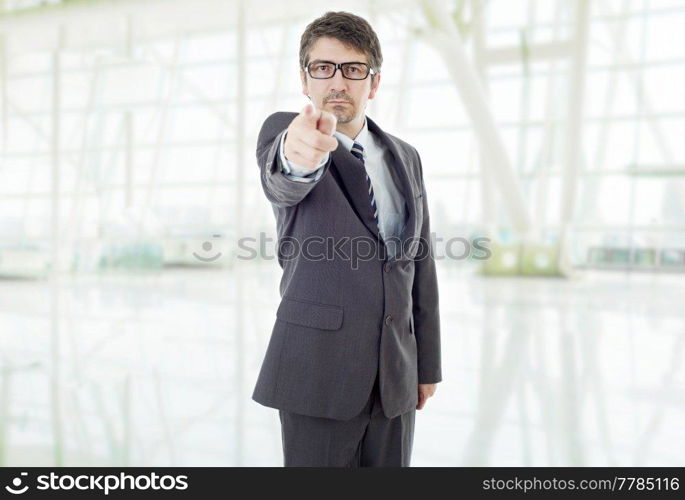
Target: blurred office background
<point>131,332</point>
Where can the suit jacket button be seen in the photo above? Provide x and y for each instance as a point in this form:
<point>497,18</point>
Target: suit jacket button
<point>388,319</point>
<point>387,267</point>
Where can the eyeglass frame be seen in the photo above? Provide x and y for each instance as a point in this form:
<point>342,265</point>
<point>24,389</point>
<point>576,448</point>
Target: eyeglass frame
<point>338,66</point>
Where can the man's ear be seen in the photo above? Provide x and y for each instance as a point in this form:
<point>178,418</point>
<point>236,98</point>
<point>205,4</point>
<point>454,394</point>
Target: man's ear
<point>375,82</point>
<point>303,79</point>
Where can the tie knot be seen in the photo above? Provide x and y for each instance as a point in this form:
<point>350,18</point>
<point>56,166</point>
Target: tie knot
<point>358,151</point>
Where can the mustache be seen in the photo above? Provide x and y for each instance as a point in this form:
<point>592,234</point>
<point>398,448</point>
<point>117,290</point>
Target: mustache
<point>339,97</point>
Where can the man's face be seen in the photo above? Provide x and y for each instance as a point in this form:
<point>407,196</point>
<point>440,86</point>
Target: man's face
<point>345,98</point>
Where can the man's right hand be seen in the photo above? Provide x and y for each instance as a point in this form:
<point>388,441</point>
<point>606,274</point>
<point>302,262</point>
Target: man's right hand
<point>310,137</point>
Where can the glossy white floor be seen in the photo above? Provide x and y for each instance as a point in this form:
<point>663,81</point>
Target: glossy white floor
<point>158,369</point>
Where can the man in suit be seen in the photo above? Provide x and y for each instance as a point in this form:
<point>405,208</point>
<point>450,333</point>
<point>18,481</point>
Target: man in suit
<point>355,348</point>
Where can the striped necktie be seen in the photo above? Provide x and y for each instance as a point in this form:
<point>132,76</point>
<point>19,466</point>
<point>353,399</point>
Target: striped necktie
<point>358,152</point>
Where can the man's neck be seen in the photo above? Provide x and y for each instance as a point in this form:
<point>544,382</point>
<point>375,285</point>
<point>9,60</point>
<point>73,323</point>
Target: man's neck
<point>351,129</point>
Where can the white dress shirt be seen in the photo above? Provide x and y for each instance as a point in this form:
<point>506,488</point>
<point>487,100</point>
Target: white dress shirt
<point>389,198</point>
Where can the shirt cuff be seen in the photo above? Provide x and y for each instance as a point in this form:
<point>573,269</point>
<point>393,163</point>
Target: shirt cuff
<point>296,172</point>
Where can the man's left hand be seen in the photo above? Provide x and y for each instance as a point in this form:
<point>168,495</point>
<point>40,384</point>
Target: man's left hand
<point>425,391</point>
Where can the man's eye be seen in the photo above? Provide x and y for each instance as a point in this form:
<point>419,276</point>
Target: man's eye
<point>324,67</point>
<point>353,69</point>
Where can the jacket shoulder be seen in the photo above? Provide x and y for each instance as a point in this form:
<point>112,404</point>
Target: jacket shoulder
<point>406,148</point>
<point>404,144</point>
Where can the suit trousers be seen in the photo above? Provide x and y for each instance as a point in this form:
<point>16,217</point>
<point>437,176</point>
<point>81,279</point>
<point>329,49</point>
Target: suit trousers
<point>369,439</point>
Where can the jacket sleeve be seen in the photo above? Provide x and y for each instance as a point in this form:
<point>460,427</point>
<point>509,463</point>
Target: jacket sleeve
<point>280,189</point>
<point>425,308</point>
<point>295,171</point>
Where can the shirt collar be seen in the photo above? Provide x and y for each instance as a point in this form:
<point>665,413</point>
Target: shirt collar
<point>362,138</point>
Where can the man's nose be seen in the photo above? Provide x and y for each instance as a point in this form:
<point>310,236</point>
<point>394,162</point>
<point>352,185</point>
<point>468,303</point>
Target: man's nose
<point>338,82</point>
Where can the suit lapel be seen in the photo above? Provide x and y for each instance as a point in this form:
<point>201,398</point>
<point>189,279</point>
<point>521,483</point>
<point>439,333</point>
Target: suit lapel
<point>400,163</point>
<point>353,178</point>
<point>350,174</point>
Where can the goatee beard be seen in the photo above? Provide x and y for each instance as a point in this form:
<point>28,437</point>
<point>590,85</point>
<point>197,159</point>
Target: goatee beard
<point>343,117</point>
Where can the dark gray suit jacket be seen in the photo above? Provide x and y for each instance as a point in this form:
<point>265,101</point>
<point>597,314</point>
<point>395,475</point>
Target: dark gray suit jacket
<point>342,320</point>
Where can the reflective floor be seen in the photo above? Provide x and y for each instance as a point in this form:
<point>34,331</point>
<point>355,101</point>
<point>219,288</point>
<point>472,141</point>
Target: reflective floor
<point>158,369</point>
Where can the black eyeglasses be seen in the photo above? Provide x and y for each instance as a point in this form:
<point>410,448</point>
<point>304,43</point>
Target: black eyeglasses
<point>322,70</point>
